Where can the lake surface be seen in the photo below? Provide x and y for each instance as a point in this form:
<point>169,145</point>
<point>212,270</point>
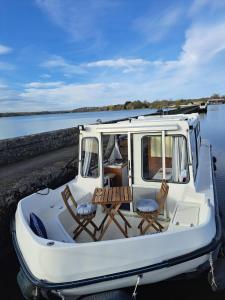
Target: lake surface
<point>23,125</point>
<point>213,129</point>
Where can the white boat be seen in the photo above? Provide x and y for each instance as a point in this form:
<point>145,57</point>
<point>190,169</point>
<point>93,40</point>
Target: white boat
<point>141,153</point>
<point>203,107</point>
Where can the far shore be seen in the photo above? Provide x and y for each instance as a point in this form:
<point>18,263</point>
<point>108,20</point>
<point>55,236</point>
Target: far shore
<point>128,105</point>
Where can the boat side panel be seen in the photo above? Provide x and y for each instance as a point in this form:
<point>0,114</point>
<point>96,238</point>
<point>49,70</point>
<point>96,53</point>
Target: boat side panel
<point>69,262</point>
<point>147,278</point>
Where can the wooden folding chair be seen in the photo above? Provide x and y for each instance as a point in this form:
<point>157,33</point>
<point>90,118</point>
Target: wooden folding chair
<point>149,209</point>
<point>83,214</point>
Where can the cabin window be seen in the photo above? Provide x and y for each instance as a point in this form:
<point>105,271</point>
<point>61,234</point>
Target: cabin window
<point>90,157</point>
<point>176,164</point>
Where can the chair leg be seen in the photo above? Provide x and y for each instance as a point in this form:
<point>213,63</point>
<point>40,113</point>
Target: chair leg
<point>80,228</point>
<point>147,226</point>
<point>95,227</point>
<point>141,223</point>
<point>150,224</point>
<point>83,227</point>
<point>90,233</point>
<point>160,226</point>
<point>157,229</point>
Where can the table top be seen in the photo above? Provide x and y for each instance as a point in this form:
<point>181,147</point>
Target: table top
<point>112,195</point>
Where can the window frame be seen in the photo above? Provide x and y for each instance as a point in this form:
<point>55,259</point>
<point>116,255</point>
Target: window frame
<point>81,165</point>
<point>160,180</point>
<point>196,134</point>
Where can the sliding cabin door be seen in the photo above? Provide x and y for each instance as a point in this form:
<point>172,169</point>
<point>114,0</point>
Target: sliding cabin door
<point>148,158</point>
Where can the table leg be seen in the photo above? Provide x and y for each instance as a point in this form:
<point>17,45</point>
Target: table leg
<point>112,214</point>
<point>104,220</point>
<point>125,220</point>
<point>104,228</point>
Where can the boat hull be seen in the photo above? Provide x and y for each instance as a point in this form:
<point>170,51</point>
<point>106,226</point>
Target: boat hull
<point>187,263</point>
<point>146,278</point>
<point>87,268</point>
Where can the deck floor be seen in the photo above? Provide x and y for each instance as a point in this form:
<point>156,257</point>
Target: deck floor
<point>113,232</point>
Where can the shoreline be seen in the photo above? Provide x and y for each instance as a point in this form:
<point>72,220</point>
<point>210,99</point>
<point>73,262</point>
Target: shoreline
<point>128,105</point>
<point>22,114</point>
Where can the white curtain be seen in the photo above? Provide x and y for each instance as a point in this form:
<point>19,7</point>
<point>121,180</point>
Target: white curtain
<point>87,147</point>
<point>110,146</point>
<point>115,153</point>
<point>179,159</point>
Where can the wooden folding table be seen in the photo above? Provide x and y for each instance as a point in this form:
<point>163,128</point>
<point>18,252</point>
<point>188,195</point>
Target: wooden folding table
<point>111,199</point>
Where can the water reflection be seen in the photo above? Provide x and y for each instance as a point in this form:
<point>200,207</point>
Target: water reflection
<point>213,129</point>
<point>24,125</point>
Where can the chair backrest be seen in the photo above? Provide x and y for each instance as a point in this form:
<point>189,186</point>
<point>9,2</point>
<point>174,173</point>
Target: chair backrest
<point>162,194</point>
<point>67,196</point>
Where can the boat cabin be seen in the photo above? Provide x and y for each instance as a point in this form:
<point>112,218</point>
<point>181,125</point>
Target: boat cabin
<point>140,153</point>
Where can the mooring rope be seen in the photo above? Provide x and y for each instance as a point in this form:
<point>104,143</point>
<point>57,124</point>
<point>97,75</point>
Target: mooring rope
<point>212,270</point>
<point>134,295</point>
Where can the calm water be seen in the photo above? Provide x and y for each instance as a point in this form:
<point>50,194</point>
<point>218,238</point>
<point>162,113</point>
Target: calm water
<point>23,125</point>
<point>213,129</point>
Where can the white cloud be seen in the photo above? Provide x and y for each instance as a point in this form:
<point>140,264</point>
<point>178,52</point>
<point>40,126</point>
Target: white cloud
<point>8,98</point>
<point>202,43</point>
<point>3,65</point>
<point>59,63</point>
<point>198,5</point>
<point>69,96</point>
<point>155,27</point>
<point>39,84</point>
<point>81,19</point>
<point>5,49</point>
<point>197,71</point>
<point>118,63</point>
<point>190,75</point>
<point>45,76</point>
<point>3,86</point>
<point>184,77</point>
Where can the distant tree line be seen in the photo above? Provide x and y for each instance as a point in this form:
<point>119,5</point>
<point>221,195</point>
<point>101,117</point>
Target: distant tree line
<point>128,105</point>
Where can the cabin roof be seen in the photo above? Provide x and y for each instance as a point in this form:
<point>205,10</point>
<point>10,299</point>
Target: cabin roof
<point>154,122</point>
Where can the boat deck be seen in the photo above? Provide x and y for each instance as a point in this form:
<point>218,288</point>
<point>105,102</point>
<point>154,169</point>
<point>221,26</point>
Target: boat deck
<point>113,233</point>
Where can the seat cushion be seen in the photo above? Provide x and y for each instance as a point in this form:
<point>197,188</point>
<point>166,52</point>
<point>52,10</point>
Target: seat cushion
<point>86,208</point>
<point>147,205</point>
<point>37,226</point>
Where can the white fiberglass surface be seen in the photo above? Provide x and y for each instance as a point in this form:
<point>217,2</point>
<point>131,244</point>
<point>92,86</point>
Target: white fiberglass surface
<point>60,225</point>
<point>108,256</point>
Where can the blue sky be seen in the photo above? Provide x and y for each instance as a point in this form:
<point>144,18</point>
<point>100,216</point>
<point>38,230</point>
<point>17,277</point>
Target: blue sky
<point>64,54</point>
